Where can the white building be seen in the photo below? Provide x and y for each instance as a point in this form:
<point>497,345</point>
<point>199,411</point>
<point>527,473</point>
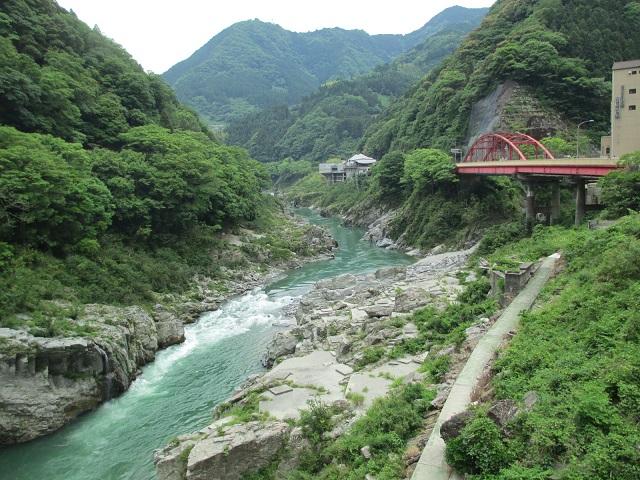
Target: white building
<point>339,172</point>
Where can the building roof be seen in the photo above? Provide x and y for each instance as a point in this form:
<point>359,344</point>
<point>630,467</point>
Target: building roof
<point>362,159</point>
<point>627,64</point>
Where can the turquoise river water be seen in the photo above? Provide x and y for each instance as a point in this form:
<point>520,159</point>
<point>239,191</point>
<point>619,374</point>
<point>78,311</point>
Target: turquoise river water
<point>177,392</point>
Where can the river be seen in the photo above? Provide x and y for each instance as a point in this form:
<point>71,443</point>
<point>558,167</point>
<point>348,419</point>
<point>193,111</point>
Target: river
<point>176,393</point>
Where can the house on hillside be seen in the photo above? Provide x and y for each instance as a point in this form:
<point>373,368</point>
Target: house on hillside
<point>334,172</point>
<point>339,172</point>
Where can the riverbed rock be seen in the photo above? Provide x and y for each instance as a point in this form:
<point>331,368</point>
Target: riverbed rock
<point>283,343</point>
<point>411,298</point>
<point>242,449</point>
<point>170,329</point>
<point>337,283</point>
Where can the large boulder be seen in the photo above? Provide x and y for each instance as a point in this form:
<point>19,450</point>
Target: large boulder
<point>243,448</point>
<point>283,343</point>
<point>452,427</point>
<point>411,298</point>
<point>379,310</point>
<point>170,329</point>
<point>502,413</point>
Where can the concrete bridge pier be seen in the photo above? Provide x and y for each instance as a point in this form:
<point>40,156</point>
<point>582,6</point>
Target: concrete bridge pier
<point>530,202</point>
<point>555,203</point>
<point>580,201</point>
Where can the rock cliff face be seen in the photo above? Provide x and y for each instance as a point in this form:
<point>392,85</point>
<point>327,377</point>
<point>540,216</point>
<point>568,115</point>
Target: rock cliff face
<point>46,382</point>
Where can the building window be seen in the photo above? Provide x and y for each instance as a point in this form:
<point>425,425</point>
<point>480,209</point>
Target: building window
<point>633,91</point>
<point>634,72</point>
<point>632,107</point>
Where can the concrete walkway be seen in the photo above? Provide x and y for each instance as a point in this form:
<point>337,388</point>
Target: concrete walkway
<point>432,464</point>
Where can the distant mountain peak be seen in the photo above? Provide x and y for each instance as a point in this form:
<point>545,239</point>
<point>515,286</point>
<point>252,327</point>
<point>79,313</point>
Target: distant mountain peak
<point>253,64</point>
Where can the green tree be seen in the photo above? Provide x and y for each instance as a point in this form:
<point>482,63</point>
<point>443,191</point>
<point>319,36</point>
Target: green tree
<point>621,188</point>
<point>48,197</point>
<point>429,167</point>
<point>387,174</point>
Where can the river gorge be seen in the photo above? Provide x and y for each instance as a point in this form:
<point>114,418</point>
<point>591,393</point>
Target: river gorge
<point>177,392</point>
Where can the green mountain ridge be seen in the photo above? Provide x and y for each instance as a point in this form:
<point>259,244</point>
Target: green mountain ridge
<point>331,121</point>
<point>253,65</point>
<point>560,51</point>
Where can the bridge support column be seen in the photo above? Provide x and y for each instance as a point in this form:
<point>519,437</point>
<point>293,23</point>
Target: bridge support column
<point>555,203</point>
<point>580,200</point>
<point>530,206</point>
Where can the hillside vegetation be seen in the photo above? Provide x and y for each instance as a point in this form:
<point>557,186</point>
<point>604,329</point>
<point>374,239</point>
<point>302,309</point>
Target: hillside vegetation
<point>561,50</point>
<point>331,121</point>
<point>579,353</point>
<point>110,189</point>
<point>254,65</point>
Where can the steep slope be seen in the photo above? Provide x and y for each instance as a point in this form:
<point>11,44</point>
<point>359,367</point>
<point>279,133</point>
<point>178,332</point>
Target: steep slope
<point>63,78</point>
<point>331,121</point>
<point>559,53</point>
<point>100,167</point>
<point>253,65</point>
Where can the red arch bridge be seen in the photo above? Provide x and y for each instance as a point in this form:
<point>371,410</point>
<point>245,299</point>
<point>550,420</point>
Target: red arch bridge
<point>524,157</point>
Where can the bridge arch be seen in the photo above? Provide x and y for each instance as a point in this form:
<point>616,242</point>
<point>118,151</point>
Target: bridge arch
<point>493,147</point>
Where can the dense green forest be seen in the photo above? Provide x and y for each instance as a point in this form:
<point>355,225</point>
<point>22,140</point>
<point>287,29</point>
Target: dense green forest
<point>105,177</point>
<point>562,50</point>
<point>254,65</point>
<point>331,121</point>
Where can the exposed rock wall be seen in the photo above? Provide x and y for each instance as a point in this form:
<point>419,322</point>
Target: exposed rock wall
<point>46,382</point>
<point>512,107</point>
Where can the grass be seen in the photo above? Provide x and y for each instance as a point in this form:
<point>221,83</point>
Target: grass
<point>384,428</point>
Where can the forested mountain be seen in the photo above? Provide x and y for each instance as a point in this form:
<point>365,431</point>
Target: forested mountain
<point>63,78</point>
<point>561,52</point>
<point>331,121</point>
<point>103,174</point>
<point>253,65</point>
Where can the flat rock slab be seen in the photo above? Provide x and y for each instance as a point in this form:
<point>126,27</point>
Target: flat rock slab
<point>404,361</point>
<point>369,386</point>
<point>344,370</point>
<point>288,405</point>
<point>280,389</point>
<point>318,368</point>
<point>396,369</point>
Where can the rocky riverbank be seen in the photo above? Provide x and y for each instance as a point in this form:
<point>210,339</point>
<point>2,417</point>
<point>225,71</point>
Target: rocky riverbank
<point>337,353</point>
<point>47,382</point>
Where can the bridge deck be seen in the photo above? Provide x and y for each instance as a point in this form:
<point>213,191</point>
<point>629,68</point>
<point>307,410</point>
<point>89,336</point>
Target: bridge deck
<point>585,167</point>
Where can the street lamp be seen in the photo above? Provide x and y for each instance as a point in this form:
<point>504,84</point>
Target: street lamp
<point>578,137</point>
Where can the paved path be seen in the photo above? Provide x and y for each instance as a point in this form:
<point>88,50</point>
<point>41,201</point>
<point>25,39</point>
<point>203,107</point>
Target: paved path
<point>432,464</point>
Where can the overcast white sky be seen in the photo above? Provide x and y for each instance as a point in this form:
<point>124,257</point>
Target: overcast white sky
<point>160,33</point>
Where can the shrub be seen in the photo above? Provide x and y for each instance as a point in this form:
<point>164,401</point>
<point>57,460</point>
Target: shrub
<point>479,449</point>
<point>370,355</point>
